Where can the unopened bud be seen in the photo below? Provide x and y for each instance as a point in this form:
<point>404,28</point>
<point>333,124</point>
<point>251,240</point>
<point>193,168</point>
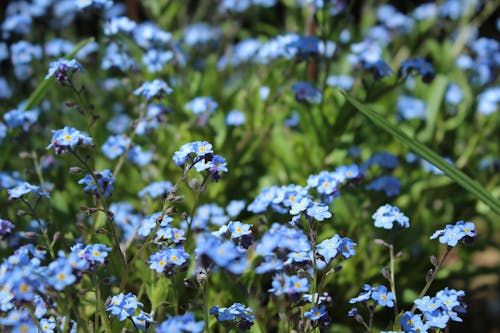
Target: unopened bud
<point>75,170</point>
<point>25,154</point>
<point>21,212</point>
<point>385,273</point>
<point>434,261</point>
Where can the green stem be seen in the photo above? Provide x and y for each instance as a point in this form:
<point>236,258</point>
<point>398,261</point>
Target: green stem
<point>42,228</point>
<point>205,302</point>
<point>393,280</point>
<point>433,276</point>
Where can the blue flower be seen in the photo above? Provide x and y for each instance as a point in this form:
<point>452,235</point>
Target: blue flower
<point>383,297</point>
<point>119,24</point>
<point>315,313</point>
<point>389,184</point>
<point>155,60</point>
<point>156,189</point>
<point>5,228</point>
<point>154,89</point>
<point>411,108</point>
<point>488,100</point>
<point>235,207</point>
<point>379,69</point>
<point>329,248</point>
<point>139,157</point>
<point>419,65</point>
<point>201,105</point>
<point>142,320</point>
<point>122,306</point>
<point>105,182</point>
<point>182,323</point>
<point>454,94</point>
<point>63,70</point>
<point>412,323</point>
<point>25,188</point>
<point>347,248</point>
<point>386,215</point>
<point>243,315</point>
<point>100,4</point>
<point>115,146</point>
<point>67,139</point>
<point>60,274</point>
<point>165,260</point>
<point>318,211</point>
<point>452,234</point>
<point>305,92</point>
<point>289,285</point>
<point>299,206</point>
<point>235,118</point>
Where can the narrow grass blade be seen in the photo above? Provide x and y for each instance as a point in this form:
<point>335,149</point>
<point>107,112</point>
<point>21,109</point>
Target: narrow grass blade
<point>423,151</point>
<point>37,95</point>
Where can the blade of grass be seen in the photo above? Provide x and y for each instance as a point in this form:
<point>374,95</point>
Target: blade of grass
<point>42,88</point>
<point>423,151</point>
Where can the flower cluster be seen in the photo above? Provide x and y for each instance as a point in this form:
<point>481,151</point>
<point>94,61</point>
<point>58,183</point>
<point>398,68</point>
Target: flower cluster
<point>185,323</point>
<point>201,157</point>
<point>241,316</point>
<point>386,215</point>
<point>104,184</point>
<point>154,89</point>
<point>212,250</point>
<point>63,70</point>
<point>123,306</point>
<point>452,234</point>
<point>436,312</point>
<point>20,190</point>
<point>68,139</point>
<point>380,295</point>
<point>420,66</point>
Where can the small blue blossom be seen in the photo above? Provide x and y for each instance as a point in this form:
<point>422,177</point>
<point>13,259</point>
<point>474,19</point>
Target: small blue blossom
<point>420,66</point>
<point>452,234</point>
<point>288,285</point>
<point>235,207</point>
<point>99,4</point>
<point>119,24</point>
<point>201,105</point>
<point>305,92</point>
<point>164,261</point>
<point>183,324</point>
<point>318,211</point>
<point>115,146</point>
<point>411,108</point>
<point>379,69</point>
<point>389,184</point>
<point>143,320</point>
<point>383,297</point>
<point>329,248</point>
<point>386,215</point>
<point>315,313</point>
<point>63,70</point>
<point>67,139</point>
<point>242,315</point>
<point>235,118</point>
<point>25,188</point>
<point>454,94</point>
<point>154,89</point>
<point>488,100</point>
<point>156,189</point>
<point>105,182</point>
<point>122,306</point>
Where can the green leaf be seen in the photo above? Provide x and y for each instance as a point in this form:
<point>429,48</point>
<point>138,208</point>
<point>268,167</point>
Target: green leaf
<point>423,151</point>
<point>42,88</point>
